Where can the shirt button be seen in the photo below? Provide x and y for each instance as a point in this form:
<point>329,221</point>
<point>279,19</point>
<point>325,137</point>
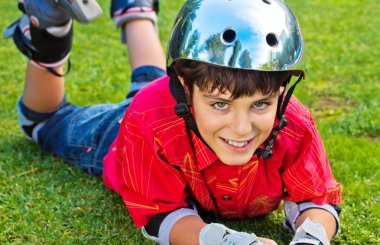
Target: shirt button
<point>227,198</point>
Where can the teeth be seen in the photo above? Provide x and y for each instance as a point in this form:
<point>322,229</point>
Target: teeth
<point>237,144</point>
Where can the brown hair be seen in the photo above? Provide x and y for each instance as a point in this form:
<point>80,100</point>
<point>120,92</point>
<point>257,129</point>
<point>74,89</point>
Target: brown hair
<point>238,82</point>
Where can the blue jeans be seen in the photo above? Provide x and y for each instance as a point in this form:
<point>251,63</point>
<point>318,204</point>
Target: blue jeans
<point>83,135</point>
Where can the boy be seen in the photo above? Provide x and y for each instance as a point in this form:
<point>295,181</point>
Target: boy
<point>212,136</point>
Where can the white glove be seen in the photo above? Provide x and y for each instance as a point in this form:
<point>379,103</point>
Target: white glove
<point>310,232</point>
<point>218,234</point>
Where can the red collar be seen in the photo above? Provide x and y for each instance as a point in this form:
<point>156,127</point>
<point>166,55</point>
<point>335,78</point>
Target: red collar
<point>204,155</point>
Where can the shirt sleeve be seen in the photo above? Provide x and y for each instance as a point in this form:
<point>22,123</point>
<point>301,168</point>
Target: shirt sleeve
<point>149,185</point>
<point>309,176</point>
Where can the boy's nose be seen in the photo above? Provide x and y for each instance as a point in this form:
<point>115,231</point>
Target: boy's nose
<point>241,124</point>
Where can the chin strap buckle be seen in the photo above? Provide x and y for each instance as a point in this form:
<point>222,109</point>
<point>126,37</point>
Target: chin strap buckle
<point>267,152</point>
<point>283,122</point>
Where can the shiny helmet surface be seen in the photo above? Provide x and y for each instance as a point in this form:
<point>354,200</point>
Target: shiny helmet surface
<point>259,35</point>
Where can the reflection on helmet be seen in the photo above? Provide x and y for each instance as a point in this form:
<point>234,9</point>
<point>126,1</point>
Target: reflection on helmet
<point>248,34</point>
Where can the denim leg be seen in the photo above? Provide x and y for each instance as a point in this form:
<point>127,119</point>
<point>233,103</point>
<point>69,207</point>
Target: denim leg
<point>83,135</point>
<point>142,76</point>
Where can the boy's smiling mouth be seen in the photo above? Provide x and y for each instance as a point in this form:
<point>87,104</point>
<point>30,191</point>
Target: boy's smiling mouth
<point>237,144</point>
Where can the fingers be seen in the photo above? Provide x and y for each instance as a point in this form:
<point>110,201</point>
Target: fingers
<point>267,241</point>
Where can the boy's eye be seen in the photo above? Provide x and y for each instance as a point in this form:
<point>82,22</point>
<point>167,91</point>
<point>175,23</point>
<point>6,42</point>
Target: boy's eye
<point>261,105</point>
<point>220,105</point>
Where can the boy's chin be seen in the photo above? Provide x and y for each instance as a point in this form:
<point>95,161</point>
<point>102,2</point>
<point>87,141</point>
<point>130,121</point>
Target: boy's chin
<point>235,161</point>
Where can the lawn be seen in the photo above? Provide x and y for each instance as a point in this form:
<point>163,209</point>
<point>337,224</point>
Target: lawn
<point>46,201</point>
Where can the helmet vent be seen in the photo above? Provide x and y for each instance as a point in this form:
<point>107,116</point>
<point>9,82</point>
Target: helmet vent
<point>266,1</point>
<point>272,40</point>
<point>228,36</point>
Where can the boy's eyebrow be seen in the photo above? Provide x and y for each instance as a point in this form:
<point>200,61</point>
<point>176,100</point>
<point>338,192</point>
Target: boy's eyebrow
<point>216,97</point>
<point>269,96</point>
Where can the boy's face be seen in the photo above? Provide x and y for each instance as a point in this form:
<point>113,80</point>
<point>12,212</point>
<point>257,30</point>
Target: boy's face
<point>234,129</point>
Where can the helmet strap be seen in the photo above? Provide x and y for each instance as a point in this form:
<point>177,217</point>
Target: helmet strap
<point>181,109</point>
<point>267,152</point>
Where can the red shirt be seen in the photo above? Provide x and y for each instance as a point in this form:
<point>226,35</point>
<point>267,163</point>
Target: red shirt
<point>155,165</point>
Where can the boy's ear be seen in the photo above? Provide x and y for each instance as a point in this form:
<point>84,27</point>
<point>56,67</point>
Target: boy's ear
<point>187,92</point>
<point>182,80</point>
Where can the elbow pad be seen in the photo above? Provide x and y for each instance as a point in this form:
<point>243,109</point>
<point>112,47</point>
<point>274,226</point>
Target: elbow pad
<point>293,210</point>
<point>159,227</point>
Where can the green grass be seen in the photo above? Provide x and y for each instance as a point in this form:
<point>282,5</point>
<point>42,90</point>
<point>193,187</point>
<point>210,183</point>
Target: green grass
<point>46,201</point>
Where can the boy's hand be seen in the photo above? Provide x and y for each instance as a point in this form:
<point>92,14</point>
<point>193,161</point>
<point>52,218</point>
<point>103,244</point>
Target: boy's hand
<point>215,233</point>
<point>267,241</point>
<point>310,233</point>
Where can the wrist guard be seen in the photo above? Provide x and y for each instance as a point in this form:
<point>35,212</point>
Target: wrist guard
<point>310,232</point>
<point>215,233</point>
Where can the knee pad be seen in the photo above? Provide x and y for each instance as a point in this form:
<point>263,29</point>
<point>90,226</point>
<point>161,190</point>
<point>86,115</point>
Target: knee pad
<point>32,121</point>
<point>28,127</point>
